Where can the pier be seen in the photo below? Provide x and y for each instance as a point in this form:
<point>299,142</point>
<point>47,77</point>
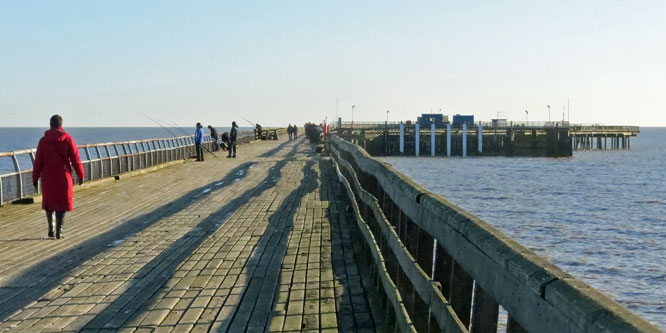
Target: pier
<point>279,239</point>
<point>536,139</point>
<point>259,242</point>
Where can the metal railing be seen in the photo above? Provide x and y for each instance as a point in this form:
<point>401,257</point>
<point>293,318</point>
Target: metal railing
<point>103,160</point>
<point>581,128</point>
<point>442,269</point>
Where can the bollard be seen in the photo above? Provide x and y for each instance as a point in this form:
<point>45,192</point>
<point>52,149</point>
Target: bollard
<point>480,135</point>
<point>448,139</point>
<point>417,137</point>
<point>464,141</point>
<point>432,139</point>
<point>402,138</point>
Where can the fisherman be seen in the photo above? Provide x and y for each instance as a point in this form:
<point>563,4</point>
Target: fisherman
<point>198,141</point>
<point>258,130</point>
<point>213,134</point>
<point>56,155</point>
<point>225,141</point>
<point>290,131</point>
<point>233,135</point>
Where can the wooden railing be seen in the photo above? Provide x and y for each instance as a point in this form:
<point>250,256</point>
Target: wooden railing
<point>443,269</point>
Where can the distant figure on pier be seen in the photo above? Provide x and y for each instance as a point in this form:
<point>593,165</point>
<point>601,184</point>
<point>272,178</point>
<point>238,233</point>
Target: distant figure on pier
<point>198,141</point>
<point>295,129</point>
<point>258,131</point>
<point>225,141</point>
<point>290,132</point>
<point>233,135</point>
<point>56,155</point>
<point>213,134</point>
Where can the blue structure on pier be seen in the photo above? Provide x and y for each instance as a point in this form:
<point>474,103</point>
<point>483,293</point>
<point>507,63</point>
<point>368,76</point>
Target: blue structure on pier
<point>431,118</point>
<point>459,120</point>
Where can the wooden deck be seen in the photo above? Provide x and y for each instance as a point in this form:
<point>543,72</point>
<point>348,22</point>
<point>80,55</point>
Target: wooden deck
<point>256,243</point>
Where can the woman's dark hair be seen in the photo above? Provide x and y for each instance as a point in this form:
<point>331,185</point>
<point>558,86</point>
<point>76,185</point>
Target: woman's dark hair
<point>56,121</point>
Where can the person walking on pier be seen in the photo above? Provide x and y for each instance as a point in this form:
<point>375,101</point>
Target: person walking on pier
<point>290,131</point>
<point>198,141</point>
<point>295,130</point>
<point>56,155</point>
<point>213,134</point>
<point>233,135</point>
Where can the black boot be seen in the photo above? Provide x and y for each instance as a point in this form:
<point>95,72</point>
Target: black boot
<point>49,221</point>
<point>60,223</point>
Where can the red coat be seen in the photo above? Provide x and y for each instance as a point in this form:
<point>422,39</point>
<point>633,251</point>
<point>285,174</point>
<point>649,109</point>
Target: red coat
<point>56,154</point>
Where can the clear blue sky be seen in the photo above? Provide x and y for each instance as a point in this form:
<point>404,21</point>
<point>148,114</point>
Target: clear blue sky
<point>104,63</point>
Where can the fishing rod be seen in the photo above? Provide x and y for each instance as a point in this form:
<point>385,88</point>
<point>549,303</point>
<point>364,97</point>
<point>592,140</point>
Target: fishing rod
<point>251,123</point>
<point>163,127</point>
<point>181,130</point>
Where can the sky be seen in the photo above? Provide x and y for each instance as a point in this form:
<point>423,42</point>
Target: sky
<point>117,63</point>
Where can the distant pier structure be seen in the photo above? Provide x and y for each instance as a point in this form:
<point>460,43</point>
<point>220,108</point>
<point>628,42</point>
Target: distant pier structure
<point>495,138</point>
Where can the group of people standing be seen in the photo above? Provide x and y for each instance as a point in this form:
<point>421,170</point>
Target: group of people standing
<point>292,131</point>
<point>227,141</point>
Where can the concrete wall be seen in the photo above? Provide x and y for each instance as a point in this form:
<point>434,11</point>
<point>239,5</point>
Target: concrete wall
<point>472,259</point>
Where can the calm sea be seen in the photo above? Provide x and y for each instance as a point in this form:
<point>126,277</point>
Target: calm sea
<point>600,215</point>
<point>18,138</point>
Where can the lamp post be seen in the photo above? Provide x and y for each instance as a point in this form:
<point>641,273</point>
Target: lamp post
<point>526,113</point>
<point>387,112</point>
<point>548,106</point>
<point>352,125</point>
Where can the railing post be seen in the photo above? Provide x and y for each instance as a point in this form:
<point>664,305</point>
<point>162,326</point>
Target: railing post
<point>90,164</point>
<point>432,139</point>
<point>120,160</point>
<point>39,181</point>
<point>448,139</point>
<point>480,137</point>
<point>108,154</point>
<point>464,140</point>
<point>131,156</point>
<point>127,161</point>
<point>101,162</point>
<point>144,155</point>
<point>417,138</point>
<point>20,176</point>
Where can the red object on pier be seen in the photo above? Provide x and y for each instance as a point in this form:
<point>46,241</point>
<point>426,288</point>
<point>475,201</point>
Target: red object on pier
<point>56,154</point>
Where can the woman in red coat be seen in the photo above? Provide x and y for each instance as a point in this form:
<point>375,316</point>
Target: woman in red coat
<point>56,154</point>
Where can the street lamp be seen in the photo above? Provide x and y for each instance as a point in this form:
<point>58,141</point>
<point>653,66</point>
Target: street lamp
<point>526,113</point>
<point>548,106</point>
<point>352,125</point>
<point>387,112</point>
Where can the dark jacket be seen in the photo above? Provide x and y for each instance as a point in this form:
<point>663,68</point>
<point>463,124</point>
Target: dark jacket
<point>233,135</point>
<point>213,133</point>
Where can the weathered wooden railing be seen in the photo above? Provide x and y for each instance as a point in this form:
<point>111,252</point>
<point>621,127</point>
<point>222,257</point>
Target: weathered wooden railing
<point>442,269</point>
<point>103,160</point>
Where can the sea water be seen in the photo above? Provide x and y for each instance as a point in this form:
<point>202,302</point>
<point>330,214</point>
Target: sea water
<point>600,215</point>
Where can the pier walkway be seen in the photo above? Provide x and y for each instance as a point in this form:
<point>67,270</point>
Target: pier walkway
<point>256,243</point>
